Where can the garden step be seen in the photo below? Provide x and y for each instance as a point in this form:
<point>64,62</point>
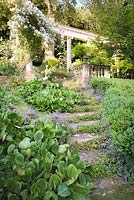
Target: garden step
<point>84,137</point>
<point>77,114</point>
<point>82,123</point>
<point>86,108</point>
<point>29,76</point>
<point>89,156</point>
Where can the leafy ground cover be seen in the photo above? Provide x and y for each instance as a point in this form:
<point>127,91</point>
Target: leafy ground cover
<point>48,97</point>
<point>118,106</point>
<point>35,159</point>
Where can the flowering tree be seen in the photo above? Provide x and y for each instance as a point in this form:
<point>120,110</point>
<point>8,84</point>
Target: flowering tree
<point>30,30</point>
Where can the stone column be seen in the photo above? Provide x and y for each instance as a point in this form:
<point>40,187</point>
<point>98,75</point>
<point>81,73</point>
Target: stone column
<point>69,57</point>
<point>29,73</point>
<point>83,76</point>
<point>49,50</point>
<point>29,66</point>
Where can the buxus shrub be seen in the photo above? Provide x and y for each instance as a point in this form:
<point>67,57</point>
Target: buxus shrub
<point>118,106</point>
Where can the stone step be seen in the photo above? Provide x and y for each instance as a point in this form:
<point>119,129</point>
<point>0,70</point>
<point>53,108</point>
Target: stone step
<point>86,108</point>
<point>76,114</point>
<point>89,156</point>
<point>29,76</point>
<point>84,137</point>
<point>82,123</point>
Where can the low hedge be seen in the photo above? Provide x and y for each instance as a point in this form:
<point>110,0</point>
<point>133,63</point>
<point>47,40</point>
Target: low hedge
<point>118,106</point>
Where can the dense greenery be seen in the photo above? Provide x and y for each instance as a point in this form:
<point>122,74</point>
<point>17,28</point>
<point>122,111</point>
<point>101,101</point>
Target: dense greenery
<point>116,22</point>
<point>35,161</point>
<point>5,16</point>
<point>119,112</point>
<point>49,97</point>
<point>94,54</point>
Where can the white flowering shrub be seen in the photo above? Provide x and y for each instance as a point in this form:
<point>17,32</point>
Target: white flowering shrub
<point>30,29</point>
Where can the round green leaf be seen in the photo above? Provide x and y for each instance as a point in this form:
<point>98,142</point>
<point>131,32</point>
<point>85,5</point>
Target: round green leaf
<point>41,186</point>
<point>11,148</point>
<point>63,190</point>
<point>38,135</point>
<point>55,181</point>
<point>25,143</point>
<point>12,197</point>
<point>72,172</point>
<point>48,195</point>
<point>19,159</point>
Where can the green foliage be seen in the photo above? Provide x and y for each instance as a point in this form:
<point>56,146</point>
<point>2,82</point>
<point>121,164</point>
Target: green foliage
<point>90,129</point>
<point>86,108</point>
<point>4,99</point>
<point>86,20</point>
<point>100,169</point>
<point>35,161</point>
<point>119,111</point>
<point>99,55</point>
<point>49,97</point>
<point>116,22</point>
<point>86,117</point>
<point>5,16</point>
<point>121,63</point>
<point>77,62</point>
<point>80,50</point>
<point>100,84</point>
<point>35,164</point>
<point>52,66</point>
<point>6,66</point>
<point>66,12</point>
<point>89,145</point>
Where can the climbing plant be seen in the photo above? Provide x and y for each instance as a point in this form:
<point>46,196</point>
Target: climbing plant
<point>30,29</point>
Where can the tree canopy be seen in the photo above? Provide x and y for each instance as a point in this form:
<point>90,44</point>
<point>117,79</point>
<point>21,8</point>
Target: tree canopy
<point>116,22</point>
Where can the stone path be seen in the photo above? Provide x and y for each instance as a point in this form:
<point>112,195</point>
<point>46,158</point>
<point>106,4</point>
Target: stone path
<point>92,102</point>
<point>76,119</point>
<point>89,154</point>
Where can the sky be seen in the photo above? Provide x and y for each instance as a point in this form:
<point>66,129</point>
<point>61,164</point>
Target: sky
<point>79,4</point>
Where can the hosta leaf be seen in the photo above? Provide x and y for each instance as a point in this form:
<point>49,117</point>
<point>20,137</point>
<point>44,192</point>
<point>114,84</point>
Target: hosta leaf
<point>80,196</point>
<point>11,148</point>
<point>14,185</point>
<point>41,186</point>
<point>28,171</point>
<point>48,195</point>
<point>38,135</point>
<point>63,190</point>
<point>79,192</point>
<point>61,167</point>
<point>24,194</point>
<point>90,186</point>
<point>1,149</point>
<point>12,197</point>
<point>21,172</point>
<point>82,179</point>
<point>48,165</point>
<point>54,181</point>
<point>34,192</point>
<point>81,165</point>
<point>19,159</point>
<point>63,148</point>
<point>75,159</point>
<point>55,148</point>
<point>25,143</point>
<point>2,178</point>
<point>72,172</point>
<point>69,182</point>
